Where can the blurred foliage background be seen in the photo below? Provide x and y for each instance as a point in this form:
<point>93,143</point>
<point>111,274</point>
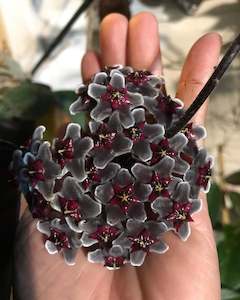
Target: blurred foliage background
<point>27,101</point>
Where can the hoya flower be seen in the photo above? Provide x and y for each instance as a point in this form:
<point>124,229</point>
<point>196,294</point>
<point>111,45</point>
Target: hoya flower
<point>84,101</point>
<point>58,238</point>
<point>141,238</point>
<point>108,143</point>
<point>194,132</point>
<point>114,97</point>
<point>142,134</point>
<point>100,233</point>
<point>158,176</point>
<point>163,107</point>
<point>72,150</point>
<point>116,186</point>
<point>140,81</point>
<point>170,148</point>
<point>95,175</point>
<point>112,259</point>
<point>200,172</point>
<point>123,197</point>
<point>177,212</point>
<point>74,204</point>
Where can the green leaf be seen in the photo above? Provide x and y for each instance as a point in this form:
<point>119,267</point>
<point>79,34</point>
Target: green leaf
<point>27,101</point>
<point>229,257</point>
<point>215,200</point>
<point>65,99</point>
<point>233,178</point>
<point>230,295</point>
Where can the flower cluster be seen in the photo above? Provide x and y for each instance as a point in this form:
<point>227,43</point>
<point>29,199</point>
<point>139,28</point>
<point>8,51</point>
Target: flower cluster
<point>117,187</point>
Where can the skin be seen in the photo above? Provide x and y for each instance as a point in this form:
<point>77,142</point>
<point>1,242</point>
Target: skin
<point>189,270</point>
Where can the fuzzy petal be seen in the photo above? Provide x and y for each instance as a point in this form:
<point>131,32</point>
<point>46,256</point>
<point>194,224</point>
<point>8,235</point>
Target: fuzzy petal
<point>100,78</point>
<point>116,250</point>
<point>114,215</point>
<point>142,191</point>
<point>82,147</point>
<point>142,172</point>
<point>184,231</point>
<point>143,150</point>
<point>109,172</point>
<point>69,256</point>
<point>101,111</point>
<point>134,226</point>
<point>121,144</point>
<point>117,81</point>
<point>136,99</point>
<point>124,178</point>
<point>89,207</point>
<point>72,225</point>
<point>137,258</point>
<point>73,131</point>
<point>181,166</point>
<point>137,212</point>
<point>76,168</point>
<point>178,141</point>
<point>51,248</point>
<point>96,256</point>
<point>182,192</point>
<point>153,131</point>
<point>44,227</point>
<point>104,192</point>
<point>159,247</point>
<point>139,115</point>
<point>102,158</point>
<point>96,90</point>
<point>165,166</point>
<point>196,205</point>
<point>71,188</point>
<point>126,117</point>
<point>87,241</point>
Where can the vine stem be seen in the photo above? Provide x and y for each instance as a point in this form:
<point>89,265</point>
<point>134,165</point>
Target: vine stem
<point>61,35</point>
<point>227,59</point>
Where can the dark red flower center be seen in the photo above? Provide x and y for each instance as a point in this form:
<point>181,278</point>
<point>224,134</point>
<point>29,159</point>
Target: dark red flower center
<point>105,235</point>
<point>59,239</point>
<point>124,197</point>
<point>142,241</point>
<point>167,104</point>
<point>118,98</point>
<point>92,172</point>
<point>114,262</point>
<point>63,151</point>
<point>104,137</point>
<point>188,131</point>
<point>36,171</point>
<point>136,133</point>
<point>159,185</point>
<point>203,175</point>
<point>40,208</point>
<point>179,214</point>
<point>161,150</point>
<point>138,77</point>
<point>70,208</point>
<point>83,93</point>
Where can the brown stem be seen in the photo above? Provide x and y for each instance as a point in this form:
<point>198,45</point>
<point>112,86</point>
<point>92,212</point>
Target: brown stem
<point>207,89</point>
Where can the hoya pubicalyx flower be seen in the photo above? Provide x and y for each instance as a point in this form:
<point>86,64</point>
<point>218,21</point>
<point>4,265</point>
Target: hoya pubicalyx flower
<point>118,186</point>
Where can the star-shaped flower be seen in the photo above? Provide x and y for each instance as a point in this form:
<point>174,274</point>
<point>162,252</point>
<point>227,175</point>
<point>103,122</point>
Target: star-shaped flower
<point>114,97</point>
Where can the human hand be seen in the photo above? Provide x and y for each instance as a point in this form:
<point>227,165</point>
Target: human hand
<point>189,270</point>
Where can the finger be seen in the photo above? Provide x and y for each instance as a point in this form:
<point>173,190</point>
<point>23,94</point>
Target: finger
<point>143,48</point>
<point>90,65</point>
<point>113,39</point>
<point>198,67</point>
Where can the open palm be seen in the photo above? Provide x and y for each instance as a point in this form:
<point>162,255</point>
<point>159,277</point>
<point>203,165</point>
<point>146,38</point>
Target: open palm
<point>189,270</point>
